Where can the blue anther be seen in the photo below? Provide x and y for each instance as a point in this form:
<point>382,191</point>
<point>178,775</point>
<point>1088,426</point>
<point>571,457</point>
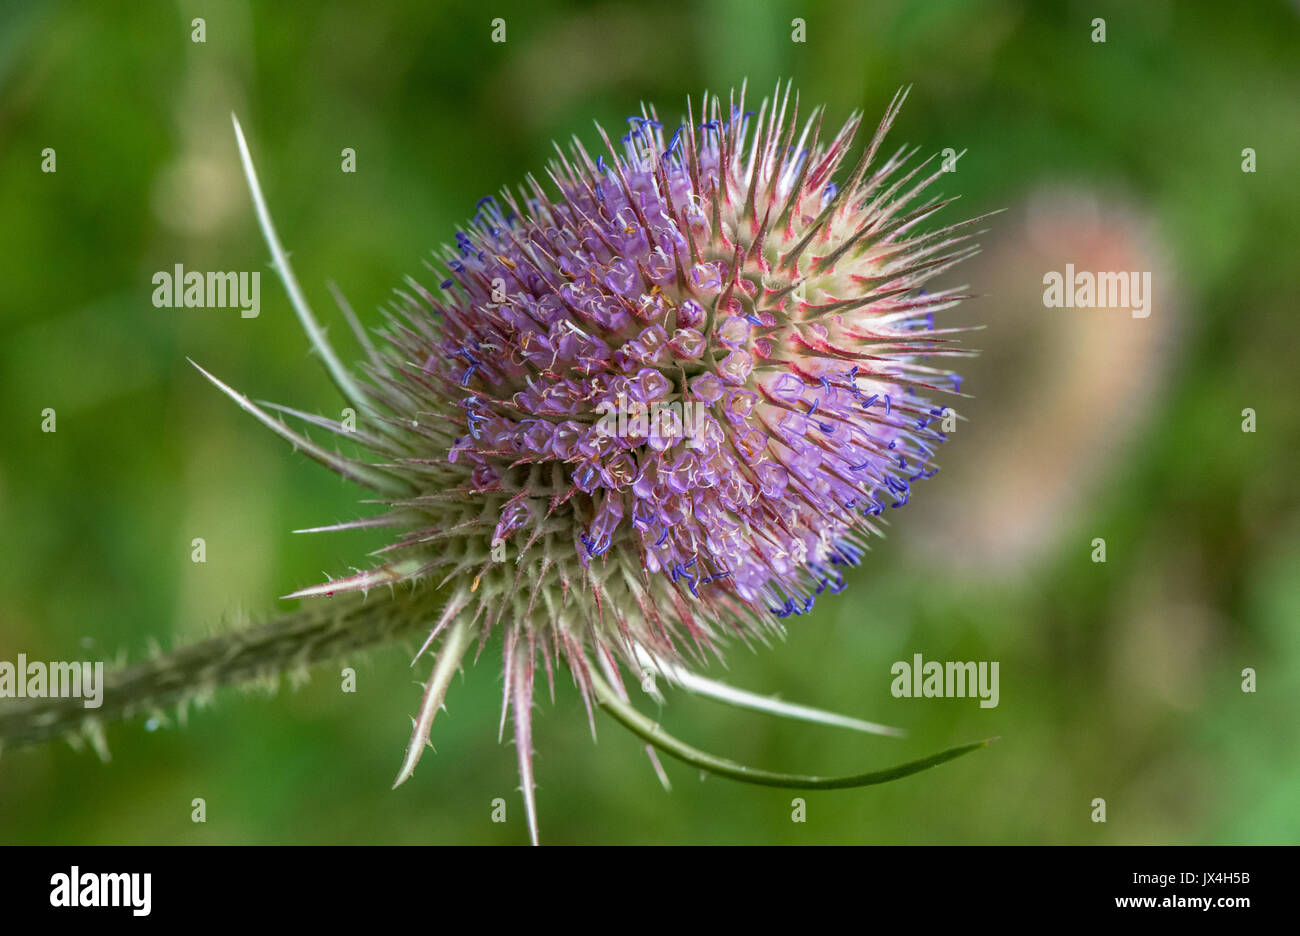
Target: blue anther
<point>676,141</point>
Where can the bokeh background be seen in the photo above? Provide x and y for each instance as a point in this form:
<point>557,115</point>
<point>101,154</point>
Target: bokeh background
<point>1119,680</point>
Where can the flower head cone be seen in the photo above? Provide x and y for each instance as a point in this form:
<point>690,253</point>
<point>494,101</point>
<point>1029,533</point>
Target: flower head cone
<point>655,403</point>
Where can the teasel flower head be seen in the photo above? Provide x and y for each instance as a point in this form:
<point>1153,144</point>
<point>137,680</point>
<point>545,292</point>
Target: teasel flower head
<point>651,405</point>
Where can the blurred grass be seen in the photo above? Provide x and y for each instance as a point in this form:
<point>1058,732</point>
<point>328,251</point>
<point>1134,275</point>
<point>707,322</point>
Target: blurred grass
<point>1118,680</point>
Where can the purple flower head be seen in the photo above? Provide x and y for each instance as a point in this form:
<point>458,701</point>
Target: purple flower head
<point>660,402</point>
<point>796,325</point>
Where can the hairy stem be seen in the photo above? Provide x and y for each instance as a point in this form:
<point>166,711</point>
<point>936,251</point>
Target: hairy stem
<point>320,631</point>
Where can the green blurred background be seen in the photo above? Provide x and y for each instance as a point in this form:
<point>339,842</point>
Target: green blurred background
<point>1119,680</point>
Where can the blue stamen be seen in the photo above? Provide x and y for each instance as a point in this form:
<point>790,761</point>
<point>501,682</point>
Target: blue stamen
<point>676,141</point>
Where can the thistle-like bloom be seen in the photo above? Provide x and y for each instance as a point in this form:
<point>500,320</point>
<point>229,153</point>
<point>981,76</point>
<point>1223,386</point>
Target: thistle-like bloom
<point>659,402</point>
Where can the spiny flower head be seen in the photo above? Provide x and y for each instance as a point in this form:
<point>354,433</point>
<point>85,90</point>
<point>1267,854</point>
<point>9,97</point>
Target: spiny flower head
<point>661,401</point>
<point>715,276</point>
